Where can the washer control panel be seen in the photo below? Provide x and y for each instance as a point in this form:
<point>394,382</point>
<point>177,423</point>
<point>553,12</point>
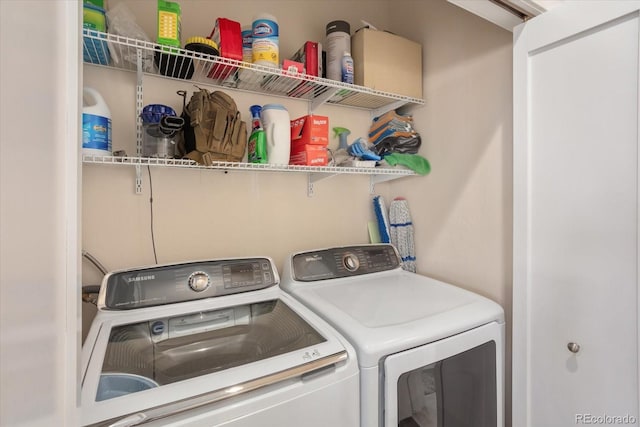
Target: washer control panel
<point>344,262</point>
<point>172,283</point>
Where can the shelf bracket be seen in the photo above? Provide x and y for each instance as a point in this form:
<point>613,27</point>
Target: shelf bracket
<point>309,186</point>
<point>139,106</point>
<point>313,178</point>
<point>393,106</point>
<point>321,99</point>
<point>376,179</point>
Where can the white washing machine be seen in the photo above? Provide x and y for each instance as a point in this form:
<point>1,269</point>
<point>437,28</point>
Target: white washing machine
<point>213,343</point>
<point>430,354</point>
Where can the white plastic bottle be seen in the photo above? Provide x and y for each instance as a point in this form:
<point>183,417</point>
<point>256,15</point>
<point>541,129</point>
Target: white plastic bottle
<point>96,124</point>
<point>347,68</point>
<point>264,46</point>
<point>277,127</point>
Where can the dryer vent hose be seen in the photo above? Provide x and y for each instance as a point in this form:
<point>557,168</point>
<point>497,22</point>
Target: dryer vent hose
<point>94,261</point>
<point>90,292</point>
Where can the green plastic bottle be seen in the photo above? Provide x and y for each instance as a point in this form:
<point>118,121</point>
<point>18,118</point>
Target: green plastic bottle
<point>257,140</point>
<point>169,23</point>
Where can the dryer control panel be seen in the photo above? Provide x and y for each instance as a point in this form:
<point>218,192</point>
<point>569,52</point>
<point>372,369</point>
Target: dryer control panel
<point>172,283</point>
<point>344,262</point>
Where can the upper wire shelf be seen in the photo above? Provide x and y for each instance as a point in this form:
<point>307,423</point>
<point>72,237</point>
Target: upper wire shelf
<point>190,164</point>
<point>120,52</point>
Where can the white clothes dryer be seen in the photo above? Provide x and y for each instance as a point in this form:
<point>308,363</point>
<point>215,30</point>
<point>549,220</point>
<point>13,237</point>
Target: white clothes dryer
<point>213,343</point>
<point>430,354</point>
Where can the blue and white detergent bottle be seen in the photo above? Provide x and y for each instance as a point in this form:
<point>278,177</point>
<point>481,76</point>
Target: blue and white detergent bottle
<point>347,68</point>
<point>96,124</point>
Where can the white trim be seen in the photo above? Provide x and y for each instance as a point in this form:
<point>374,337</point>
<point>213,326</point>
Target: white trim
<point>567,20</point>
<point>534,7</point>
<point>489,11</point>
<point>71,98</point>
<point>638,234</point>
<point>520,348</point>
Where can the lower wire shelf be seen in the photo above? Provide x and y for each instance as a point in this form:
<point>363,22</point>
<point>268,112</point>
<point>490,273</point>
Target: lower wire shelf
<point>315,173</point>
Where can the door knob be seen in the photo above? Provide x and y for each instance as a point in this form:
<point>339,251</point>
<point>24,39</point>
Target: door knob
<point>573,347</point>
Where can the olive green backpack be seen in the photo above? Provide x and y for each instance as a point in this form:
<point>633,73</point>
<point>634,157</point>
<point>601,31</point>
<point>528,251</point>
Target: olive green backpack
<point>213,130</point>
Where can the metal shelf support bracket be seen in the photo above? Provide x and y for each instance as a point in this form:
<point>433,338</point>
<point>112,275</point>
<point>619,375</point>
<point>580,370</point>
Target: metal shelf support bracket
<point>380,111</point>
<point>321,99</point>
<point>139,106</point>
<point>376,179</point>
<point>315,177</point>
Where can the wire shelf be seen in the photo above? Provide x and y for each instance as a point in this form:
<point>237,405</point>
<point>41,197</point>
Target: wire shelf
<point>120,52</point>
<point>190,164</point>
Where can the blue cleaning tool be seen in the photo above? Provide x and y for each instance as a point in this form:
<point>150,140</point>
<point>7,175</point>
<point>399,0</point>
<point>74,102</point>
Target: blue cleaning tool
<point>381,216</point>
<point>359,149</point>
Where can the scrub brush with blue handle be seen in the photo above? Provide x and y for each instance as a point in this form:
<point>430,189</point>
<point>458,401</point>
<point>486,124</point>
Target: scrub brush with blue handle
<point>381,216</point>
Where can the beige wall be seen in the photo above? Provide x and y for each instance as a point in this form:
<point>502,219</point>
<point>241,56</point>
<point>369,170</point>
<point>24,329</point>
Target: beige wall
<point>461,211</point>
<point>204,214</point>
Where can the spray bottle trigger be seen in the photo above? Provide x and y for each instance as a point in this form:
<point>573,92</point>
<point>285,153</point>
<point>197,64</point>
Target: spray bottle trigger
<point>342,134</point>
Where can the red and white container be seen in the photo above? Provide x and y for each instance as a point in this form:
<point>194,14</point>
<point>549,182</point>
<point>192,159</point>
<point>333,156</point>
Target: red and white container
<point>228,36</point>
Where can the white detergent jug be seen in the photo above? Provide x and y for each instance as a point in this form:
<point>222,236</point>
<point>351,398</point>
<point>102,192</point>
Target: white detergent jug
<point>96,124</point>
<point>277,128</point>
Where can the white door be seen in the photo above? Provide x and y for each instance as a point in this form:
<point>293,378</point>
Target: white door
<point>575,348</point>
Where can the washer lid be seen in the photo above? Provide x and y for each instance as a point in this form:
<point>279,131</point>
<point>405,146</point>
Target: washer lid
<point>383,313</point>
<point>158,361</point>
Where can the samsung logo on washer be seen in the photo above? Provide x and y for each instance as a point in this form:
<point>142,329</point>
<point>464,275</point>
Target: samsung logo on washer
<point>141,278</point>
<point>313,258</point>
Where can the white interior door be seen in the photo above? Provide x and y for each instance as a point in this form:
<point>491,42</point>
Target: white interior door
<point>576,216</point>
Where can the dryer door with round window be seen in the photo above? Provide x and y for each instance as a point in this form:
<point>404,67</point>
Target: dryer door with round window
<point>455,382</point>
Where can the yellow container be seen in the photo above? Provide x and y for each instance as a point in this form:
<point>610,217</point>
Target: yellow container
<point>169,23</point>
<point>93,18</point>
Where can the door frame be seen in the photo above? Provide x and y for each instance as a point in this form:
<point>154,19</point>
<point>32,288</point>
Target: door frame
<point>567,20</point>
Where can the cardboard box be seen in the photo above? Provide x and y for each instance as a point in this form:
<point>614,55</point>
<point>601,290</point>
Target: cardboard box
<point>312,130</point>
<point>309,155</point>
<point>292,67</point>
<point>387,62</point>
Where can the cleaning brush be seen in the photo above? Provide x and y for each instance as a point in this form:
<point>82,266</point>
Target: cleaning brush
<point>401,232</point>
<point>381,216</point>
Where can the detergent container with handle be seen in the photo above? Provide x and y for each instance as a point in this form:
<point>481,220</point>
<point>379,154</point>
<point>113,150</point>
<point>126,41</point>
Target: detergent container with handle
<point>96,124</point>
<point>277,127</point>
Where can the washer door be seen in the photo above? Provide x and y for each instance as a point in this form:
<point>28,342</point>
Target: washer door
<point>168,350</point>
<point>209,355</point>
<point>455,382</point>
